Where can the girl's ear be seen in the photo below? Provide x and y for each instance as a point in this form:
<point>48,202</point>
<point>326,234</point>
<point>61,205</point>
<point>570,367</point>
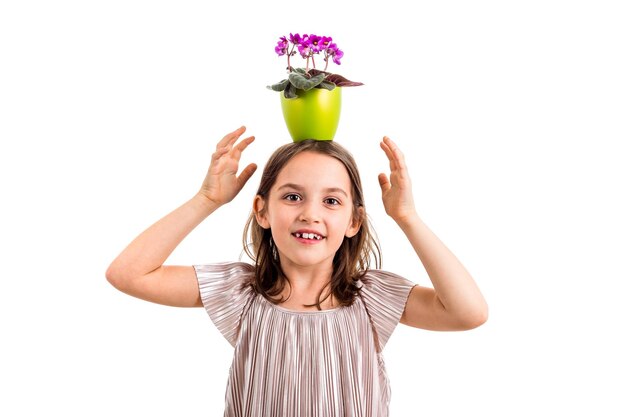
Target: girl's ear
<point>260,214</point>
<point>355,226</point>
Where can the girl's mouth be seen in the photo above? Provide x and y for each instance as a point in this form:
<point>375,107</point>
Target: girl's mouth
<point>308,236</point>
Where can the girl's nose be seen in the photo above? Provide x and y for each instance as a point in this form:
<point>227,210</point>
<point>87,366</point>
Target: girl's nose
<point>309,213</point>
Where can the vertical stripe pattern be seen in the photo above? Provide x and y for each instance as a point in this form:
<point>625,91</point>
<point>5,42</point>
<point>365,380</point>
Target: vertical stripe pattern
<point>287,363</point>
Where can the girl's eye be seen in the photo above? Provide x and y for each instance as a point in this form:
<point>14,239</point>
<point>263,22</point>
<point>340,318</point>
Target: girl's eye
<point>332,201</point>
<point>292,197</point>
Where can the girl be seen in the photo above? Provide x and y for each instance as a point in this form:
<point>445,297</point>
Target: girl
<point>309,319</point>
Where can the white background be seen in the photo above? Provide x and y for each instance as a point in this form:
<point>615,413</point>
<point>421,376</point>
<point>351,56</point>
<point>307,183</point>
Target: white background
<point>510,115</point>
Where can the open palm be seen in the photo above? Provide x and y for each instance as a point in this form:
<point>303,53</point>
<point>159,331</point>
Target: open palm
<point>396,190</point>
<point>221,183</point>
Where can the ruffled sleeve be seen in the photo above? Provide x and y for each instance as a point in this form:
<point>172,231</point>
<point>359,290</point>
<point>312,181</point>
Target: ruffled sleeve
<point>385,295</point>
<point>225,294</point>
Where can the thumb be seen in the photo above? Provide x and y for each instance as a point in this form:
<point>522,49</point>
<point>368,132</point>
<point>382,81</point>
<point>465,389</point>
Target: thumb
<point>246,173</point>
<point>384,182</point>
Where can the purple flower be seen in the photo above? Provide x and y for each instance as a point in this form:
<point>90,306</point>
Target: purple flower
<point>295,38</point>
<point>324,42</point>
<point>304,47</point>
<point>334,52</point>
<point>305,40</point>
<point>338,55</point>
<point>281,46</point>
<point>307,46</point>
<point>315,43</point>
<point>308,77</point>
<point>304,50</point>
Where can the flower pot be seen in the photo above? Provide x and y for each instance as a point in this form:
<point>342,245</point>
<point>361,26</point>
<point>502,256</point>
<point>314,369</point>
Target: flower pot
<point>314,114</point>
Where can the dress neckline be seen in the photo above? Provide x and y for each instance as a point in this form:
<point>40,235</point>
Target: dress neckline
<point>306,312</point>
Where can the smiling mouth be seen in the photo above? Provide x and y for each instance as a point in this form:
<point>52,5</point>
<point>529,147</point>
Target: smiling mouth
<point>309,236</point>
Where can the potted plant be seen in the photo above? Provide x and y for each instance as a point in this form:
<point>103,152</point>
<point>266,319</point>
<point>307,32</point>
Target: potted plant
<point>311,98</point>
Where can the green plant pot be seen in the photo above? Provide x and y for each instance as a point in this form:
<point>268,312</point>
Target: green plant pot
<point>314,114</point>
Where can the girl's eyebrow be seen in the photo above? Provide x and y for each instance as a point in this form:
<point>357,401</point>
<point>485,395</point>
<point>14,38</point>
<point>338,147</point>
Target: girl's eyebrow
<point>301,188</point>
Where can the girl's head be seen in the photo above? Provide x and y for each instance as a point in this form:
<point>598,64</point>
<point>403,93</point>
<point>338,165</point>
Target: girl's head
<point>309,212</point>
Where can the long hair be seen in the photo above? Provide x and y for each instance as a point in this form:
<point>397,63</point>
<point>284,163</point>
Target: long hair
<point>352,259</point>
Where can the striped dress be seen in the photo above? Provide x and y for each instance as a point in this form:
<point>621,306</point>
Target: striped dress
<point>288,363</point>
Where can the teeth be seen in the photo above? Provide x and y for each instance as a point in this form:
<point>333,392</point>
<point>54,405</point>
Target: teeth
<point>308,236</point>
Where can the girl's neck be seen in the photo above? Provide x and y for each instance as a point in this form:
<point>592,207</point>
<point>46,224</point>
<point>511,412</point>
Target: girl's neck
<point>304,285</point>
<point>307,279</point>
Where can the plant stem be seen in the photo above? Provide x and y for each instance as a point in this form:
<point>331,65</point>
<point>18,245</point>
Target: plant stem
<point>289,58</point>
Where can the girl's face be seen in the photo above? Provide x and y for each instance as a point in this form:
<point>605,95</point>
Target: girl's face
<point>309,210</point>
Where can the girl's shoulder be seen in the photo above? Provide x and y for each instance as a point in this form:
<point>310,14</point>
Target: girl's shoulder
<point>225,292</point>
<point>384,295</point>
<point>225,268</point>
<point>225,273</point>
<point>376,280</point>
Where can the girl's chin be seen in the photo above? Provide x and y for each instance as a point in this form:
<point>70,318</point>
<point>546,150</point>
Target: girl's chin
<point>306,261</point>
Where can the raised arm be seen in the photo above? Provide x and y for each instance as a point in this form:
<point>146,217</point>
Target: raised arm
<point>455,303</point>
<point>139,269</point>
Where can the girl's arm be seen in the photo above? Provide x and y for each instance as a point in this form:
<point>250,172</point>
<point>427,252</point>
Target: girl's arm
<point>455,303</point>
<point>139,269</point>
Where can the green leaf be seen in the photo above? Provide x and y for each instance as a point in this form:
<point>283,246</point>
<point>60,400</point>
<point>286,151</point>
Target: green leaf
<point>327,85</point>
<point>290,91</point>
<point>303,83</point>
<point>279,86</point>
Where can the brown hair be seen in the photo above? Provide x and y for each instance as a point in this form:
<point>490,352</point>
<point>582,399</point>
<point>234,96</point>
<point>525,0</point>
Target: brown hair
<point>351,260</point>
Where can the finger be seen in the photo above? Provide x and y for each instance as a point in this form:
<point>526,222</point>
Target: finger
<point>396,153</point>
<point>241,146</point>
<point>245,175</point>
<point>389,153</point>
<point>396,162</point>
<point>230,138</point>
<point>384,182</point>
<point>219,152</point>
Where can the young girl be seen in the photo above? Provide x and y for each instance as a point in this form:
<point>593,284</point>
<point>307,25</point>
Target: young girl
<point>309,319</point>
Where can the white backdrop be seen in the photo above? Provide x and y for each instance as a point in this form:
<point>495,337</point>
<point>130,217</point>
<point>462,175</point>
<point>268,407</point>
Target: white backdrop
<point>510,115</point>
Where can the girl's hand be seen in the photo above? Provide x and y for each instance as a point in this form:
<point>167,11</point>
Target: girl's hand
<point>396,190</point>
<point>221,184</point>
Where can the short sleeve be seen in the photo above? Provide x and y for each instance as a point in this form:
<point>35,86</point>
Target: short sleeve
<point>385,295</point>
<point>225,293</point>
